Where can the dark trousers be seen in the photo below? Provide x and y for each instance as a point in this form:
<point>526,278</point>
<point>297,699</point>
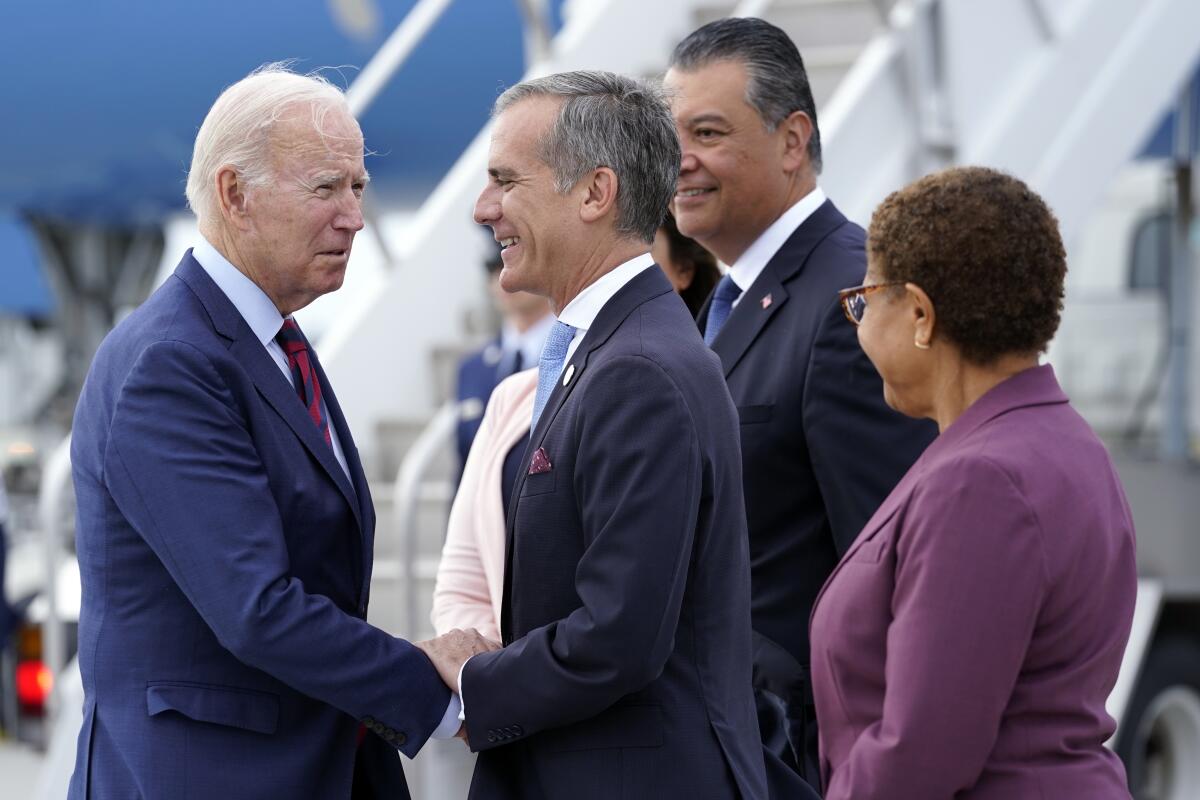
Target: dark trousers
<point>786,712</point>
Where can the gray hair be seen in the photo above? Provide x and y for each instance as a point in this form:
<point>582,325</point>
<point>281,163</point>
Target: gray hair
<point>609,120</point>
<point>777,85</point>
<point>237,130</point>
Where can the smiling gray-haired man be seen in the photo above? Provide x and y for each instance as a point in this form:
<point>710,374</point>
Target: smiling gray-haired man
<point>626,599</point>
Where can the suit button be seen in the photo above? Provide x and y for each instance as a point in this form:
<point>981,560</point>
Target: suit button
<point>368,721</point>
<point>398,738</point>
<point>518,730</point>
<point>378,727</point>
<point>389,735</point>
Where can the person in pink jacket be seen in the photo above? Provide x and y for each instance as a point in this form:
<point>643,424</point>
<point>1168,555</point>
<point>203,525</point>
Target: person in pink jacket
<point>966,643</point>
<point>470,577</point>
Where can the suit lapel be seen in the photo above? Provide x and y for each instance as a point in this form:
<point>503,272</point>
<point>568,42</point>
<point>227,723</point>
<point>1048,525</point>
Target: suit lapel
<point>646,285</point>
<point>767,295</point>
<point>758,304</point>
<point>268,378</point>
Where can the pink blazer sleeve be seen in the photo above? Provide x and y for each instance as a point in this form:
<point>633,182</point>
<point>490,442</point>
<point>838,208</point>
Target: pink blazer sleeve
<point>470,577</point>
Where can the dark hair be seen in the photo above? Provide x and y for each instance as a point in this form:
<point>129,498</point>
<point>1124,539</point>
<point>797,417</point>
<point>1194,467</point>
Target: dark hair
<point>777,85</point>
<point>987,251</point>
<point>609,120</point>
<point>705,274</point>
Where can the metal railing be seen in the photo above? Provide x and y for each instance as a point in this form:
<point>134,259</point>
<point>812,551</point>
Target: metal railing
<point>411,487</point>
<point>56,485</point>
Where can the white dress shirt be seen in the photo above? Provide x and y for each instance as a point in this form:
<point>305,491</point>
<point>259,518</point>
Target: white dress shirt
<point>264,320</point>
<point>581,312</point>
<point>530,343</point>
<point>746,269</point>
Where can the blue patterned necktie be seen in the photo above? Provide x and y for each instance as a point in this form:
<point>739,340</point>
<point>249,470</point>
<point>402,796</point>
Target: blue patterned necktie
<point>720,308</point>
<point>554,353</point>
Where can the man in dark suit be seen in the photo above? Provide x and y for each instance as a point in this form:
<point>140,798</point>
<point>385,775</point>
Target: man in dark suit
<point>525,321</point>
<point>225,527</point>
<point>626,602</point>
<point>820,449</point>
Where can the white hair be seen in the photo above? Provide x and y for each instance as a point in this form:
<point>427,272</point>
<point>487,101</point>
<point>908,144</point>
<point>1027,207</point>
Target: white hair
<point>236,131</point>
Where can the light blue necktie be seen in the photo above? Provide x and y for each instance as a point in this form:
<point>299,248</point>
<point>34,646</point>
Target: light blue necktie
<point>554,353</point>
<point>720,308</point>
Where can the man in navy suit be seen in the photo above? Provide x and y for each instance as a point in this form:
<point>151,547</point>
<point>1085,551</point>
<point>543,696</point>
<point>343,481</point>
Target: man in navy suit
<point>225,527</point>
<point>820,448</point>
<point>626,601</point>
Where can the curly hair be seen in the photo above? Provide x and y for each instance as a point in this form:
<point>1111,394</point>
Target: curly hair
<point>987,251</point>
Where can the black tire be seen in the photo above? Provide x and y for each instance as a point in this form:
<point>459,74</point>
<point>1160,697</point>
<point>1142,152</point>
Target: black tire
<point>1159,739</point>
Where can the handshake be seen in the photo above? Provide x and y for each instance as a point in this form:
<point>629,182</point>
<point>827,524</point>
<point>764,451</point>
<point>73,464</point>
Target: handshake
<point>450,651</point>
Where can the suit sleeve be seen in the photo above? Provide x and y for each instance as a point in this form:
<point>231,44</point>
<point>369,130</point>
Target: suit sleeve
<point>183,469</point>
<point>637,481</point>
<point>859,447</point>
<point>971,577</point>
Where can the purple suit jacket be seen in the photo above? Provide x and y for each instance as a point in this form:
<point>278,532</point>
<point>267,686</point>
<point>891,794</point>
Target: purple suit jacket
<point>966,643</point>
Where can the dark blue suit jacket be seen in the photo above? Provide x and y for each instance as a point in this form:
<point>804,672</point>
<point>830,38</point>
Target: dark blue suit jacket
<point>820,448</point>
<point>478,376</point>
<point>626,606</point>
<point>226,561</point>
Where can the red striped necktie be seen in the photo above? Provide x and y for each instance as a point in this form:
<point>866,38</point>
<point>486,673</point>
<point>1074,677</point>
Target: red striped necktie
<point>295,346</point>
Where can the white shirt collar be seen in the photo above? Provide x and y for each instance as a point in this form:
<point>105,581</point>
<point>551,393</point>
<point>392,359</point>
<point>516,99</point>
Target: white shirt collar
<point>530,342</point>
<point>582,311</point>
<point>746,269</point>
<point>250,301</point>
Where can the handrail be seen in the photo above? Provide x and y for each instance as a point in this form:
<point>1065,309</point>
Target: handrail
<point>56,482</point>
<point>432,442</point>
<point>392,55</point>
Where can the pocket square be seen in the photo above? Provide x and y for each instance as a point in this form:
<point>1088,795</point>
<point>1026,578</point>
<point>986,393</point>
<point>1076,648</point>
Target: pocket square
<point>540,462</point>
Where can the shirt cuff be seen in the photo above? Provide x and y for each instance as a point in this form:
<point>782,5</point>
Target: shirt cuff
<point>462,710</point>
<point>451,721</point>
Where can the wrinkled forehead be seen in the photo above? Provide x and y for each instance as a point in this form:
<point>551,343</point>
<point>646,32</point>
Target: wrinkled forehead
<point>318,134</point>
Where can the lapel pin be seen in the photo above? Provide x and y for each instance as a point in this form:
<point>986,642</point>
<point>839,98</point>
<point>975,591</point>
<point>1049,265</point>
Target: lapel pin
<point>570,373</point>
<point>766,302</point>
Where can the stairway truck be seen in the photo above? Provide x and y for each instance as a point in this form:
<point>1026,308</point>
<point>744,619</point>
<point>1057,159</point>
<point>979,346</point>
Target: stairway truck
<point>1111,355</point>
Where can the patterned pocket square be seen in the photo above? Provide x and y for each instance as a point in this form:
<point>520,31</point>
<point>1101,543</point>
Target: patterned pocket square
<point>540,462</point>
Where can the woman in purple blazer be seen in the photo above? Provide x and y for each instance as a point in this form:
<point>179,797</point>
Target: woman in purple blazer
<point>965,645</point>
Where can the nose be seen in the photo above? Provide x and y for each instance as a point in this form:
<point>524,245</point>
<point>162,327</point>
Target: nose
<point>689,162</point>
<point>487,205</point>
<point>350,216</point>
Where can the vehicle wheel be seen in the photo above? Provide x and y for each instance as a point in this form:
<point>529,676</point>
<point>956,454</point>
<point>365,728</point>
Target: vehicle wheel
<point>1160,735</point>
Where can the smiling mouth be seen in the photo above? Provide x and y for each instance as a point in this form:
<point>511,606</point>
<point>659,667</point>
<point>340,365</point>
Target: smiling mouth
<point>688,193</point>
<point>509,242</point>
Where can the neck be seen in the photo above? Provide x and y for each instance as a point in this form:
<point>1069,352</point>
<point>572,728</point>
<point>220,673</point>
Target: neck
<point>799,184</point>
<point>227,245</point>
<point>602,259</point>
<point>963,383</point>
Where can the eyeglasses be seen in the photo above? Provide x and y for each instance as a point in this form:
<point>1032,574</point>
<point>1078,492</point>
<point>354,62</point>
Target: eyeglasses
<point>854,299</point>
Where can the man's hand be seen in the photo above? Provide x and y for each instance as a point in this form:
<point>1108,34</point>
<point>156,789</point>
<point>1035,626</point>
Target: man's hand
<point>449,651</point>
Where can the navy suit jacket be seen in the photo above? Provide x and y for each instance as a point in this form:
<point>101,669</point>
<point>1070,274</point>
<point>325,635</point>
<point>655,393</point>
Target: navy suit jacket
<point>226,560</point>
<point>478,376</point>
<point>626,604</point>
<point>820,448</point>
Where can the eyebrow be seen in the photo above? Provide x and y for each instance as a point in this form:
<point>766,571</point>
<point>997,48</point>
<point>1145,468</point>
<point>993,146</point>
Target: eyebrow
<point>336,177</point>
<point>710,116</point>
<point>501,173</point>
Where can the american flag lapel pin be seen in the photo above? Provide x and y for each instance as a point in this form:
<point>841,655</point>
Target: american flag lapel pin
<point>766,302</point>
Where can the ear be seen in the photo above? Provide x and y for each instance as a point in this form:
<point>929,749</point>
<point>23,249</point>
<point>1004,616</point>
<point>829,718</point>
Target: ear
<point>795,130</point>
<point>924,315</point>
<point>231,198</point>
<point>599,194</point>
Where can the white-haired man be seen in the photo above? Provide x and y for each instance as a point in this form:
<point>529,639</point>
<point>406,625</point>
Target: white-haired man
<point>225,528</point>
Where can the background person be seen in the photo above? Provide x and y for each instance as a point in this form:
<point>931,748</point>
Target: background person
<point>966,643</point>
<point>820,449</point>
<point>690,268</point>
<point>525,321</point>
